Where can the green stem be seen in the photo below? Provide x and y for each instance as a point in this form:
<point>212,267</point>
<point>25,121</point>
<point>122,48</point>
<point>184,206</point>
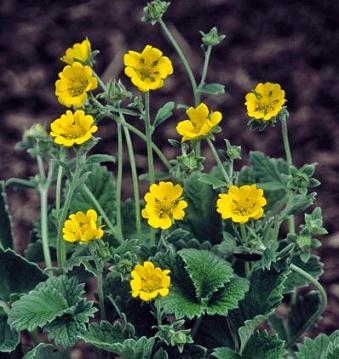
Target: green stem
<point>58,188</point>
<point>101,83</point>
<point>103,214</point>
<point>148,130</point>
<point>183,60</point>
<point>204,69</point>
<point>322,304</point>
<point>100,290</point>
<point>119,180</point>
<point>218,160</point>
<point>288,154</point>
<point>134,181</point>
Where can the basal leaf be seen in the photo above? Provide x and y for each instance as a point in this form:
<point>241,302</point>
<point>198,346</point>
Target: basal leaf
<point>44,351</point>
<point>264,346</point>
<point>207,271</point>
<point>6,235</point>
<point>49,300</point>
<point>9,338</point>
<point>317,348</point>
<point>65,329</point>
<point>228,297</point>
<point>179,304</point>
<point>17,275</point>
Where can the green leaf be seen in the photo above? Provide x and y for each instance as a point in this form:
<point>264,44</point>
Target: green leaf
<point>300,203</point>
<point>207,271</point>
<point>100,182</point>
<point>200,216</point>
<point>225,353</point>
<point>6,235</point>
<point>264,296</point>
<point>99,158</point>
<point>212,181</point>
<point>228,297</point>
<point>17,275</point>
<point>9,338</point>
<point>264,346</point>
<point>44,351</point>
<point>213,89</point>
<point>320,347</point>
<point>300,315</point>
<point>164,112</point>
<point>111,338</point>
<point>266,168</point>
<point>160,354</point>
<point>313,267</point>
<point>65,329</point>
<point>49,300</point>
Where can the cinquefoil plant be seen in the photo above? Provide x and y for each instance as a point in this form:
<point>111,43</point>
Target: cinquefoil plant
<point>195,268</point>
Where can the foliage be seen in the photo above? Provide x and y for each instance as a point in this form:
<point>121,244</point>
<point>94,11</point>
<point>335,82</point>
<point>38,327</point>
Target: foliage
<point>200,265</point>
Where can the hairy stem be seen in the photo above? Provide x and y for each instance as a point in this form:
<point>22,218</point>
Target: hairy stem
<point>148,130</point>
<point>219,163</point>
<point>119,181</point>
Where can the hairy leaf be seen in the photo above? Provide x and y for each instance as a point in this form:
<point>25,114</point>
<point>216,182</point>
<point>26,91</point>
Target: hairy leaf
<point>65,329</point>
<point>44,351</point>
<point>225,353</point>
<point>207,271</point>
<point>17,275</point>
<point>49,300</point>
<point>9,338</point>
<point>164,112</point>
<point>318,347</point>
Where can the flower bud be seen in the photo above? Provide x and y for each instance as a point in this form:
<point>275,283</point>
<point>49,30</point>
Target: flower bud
<point>212,38</point>
<point>154,11</point>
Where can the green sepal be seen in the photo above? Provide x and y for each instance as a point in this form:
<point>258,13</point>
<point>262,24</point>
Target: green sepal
<point>17,275</point>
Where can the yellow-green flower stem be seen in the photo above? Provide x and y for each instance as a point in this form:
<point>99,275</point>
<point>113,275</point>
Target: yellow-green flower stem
<point>243,234</point>
<point>134,174</point>
<point>322,304</point>
<point>204,70</point>
<point>288,154</point>
<point>149,130</point>
<point>119,180</point>
<point>183,59</point>
<point>133,129</point>
<point>43,188</point>
<point>103,214</point>
<point>218,160</point>
<point>73,185</point>
<point>58,188</point>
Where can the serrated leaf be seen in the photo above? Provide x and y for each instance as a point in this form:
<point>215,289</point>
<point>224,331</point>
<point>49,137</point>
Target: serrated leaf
<point>127,348</point>
<point>207,271</point>
<point>200,216</point>
<point>332,351</point>
<point>6,235</point>
<point>300,203</point>
<point>49,300</point>
<point>225,353</point>
<point>44,351</point>
<point>212,181</point>
<point>9,338</point>
<point>300,315</point>
<point>317,347</point>
<point>266,168</point>
<point>17,275</point>
<point>65,329</point>
<point>313,267</point>
<point>264,346</point>
<point>164,112</point>
<point>228,297</point>
<point>213,89</point>
<point>277,323</point>
<point>100,182</point>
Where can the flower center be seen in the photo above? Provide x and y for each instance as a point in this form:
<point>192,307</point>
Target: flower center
<point>78,86</point>
<point>243,208</point>
<point>165,207</point>
<point>147,71</point>
<point>75,131</point>
<point>151,282</point>
<point>265,106</point>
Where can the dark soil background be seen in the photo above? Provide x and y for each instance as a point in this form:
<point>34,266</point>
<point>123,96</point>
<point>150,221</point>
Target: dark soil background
<point>294,43</point>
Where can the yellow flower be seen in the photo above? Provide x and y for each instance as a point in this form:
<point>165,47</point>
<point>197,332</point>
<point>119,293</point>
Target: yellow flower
<point>82,227</point>
<point>163,205</point>
<point>241,203</point>
<point>265,101</point>
<point>147,69</point>
<point>148,282</point>
<point>80,51</point>
<point>73,128</point>
<point>74,83</point>
<point>200,124</point>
